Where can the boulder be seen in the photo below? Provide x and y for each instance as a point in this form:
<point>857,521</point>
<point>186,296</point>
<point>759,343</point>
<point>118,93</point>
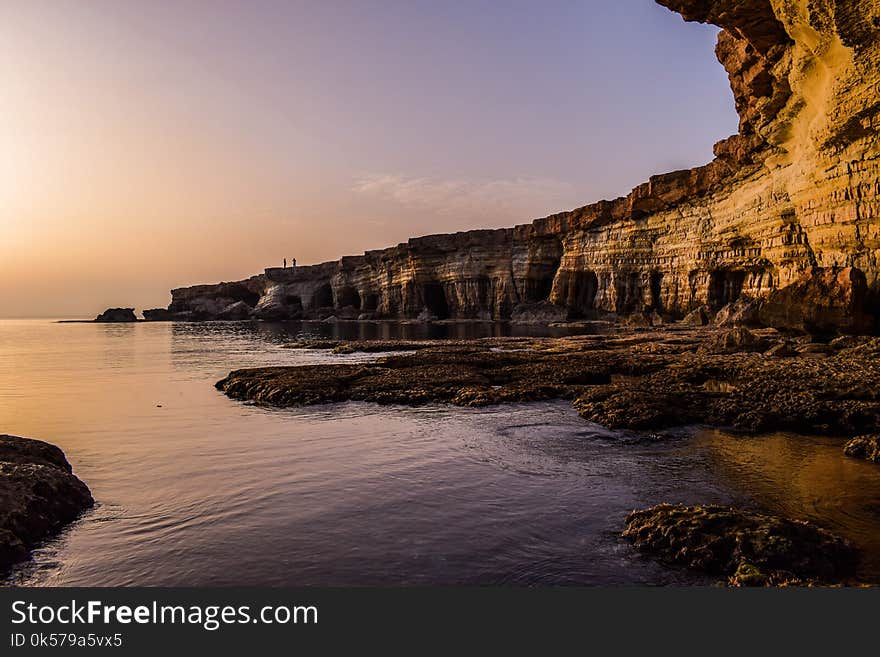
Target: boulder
<point>784,349</point>
<point>38,495</point>
<point>235,311</point>
<point>645,319</point>
<point>117,315</point>
<point>701,316</point>
<point>542,312</point>
<point>348,313</point>
<point>742,312</point>
<point>864,447</point>
<point>734,341</point>
<point>747,547</point>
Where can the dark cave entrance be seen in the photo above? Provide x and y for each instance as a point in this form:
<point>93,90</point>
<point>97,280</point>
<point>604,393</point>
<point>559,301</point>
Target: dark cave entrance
<point>239,292</point>
<point>656,286</point>
<point>725,286</point>
<point>539,283</point>
<point>581,297</point>
<point>630,293</point>
<point>434,297</point>
<point>539,288</point>
<point>370,303</point>
<point>348,296</point>
<point>323,297</point>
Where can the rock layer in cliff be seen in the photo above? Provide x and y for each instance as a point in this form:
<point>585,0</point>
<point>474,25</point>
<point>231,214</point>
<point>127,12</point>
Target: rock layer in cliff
<point>795,193</point>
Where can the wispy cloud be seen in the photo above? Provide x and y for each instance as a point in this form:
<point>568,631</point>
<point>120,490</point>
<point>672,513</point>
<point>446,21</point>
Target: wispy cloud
<point>516,199</point>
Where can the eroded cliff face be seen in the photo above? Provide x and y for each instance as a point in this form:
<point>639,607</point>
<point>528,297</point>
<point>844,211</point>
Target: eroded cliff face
<point>795,194</point>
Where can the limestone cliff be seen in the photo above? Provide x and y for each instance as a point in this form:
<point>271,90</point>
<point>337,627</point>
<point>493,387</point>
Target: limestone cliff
<point>795,194</point>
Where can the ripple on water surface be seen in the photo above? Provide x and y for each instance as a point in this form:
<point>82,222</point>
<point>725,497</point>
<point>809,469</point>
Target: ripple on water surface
<point>195,489</point>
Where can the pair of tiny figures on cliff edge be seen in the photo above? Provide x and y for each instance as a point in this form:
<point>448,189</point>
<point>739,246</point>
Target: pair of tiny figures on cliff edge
<point>292,263</point>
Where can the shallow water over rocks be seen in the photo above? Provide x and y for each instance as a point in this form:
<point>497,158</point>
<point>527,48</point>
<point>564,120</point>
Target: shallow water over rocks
<point>196,489</point>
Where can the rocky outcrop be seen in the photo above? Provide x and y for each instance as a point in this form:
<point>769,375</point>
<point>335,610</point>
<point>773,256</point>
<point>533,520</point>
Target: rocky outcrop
<point>642,380</point>
<point>864,447</point>
<point>117,315</point>
<point>746,547</point>
<point>38,495</point>
<point>791,202</point>
<point>203,302</point>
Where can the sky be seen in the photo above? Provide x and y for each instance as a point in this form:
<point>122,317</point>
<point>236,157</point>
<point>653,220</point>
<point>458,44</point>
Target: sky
<point>151,145</point>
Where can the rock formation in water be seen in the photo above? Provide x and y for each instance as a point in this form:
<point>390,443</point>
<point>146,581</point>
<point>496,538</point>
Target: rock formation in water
<point>38,495</point>
<point>749,548</point>
<point>117,315</point>
<point>786,214</point>
<point>634,379</point>
<point>864,447</point>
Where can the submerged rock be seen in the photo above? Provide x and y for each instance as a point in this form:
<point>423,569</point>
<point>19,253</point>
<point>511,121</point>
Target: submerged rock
<point>864,447</point>
<point>748,548</point>
<point>117,315</point>
<point>39,494</point>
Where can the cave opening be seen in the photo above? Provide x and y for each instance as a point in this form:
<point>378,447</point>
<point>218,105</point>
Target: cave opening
<point>583,287</point>
<point>323,297</point>
<point>293,301</point>
<point>630,293</point>
<point>348,296</point>
<point>539,283</point>
<point>656,287</point>
<point>434,297</point>
<point>370,303</point>
<point>725,286</point>
<point>241,293</point>
<point>538,288</point>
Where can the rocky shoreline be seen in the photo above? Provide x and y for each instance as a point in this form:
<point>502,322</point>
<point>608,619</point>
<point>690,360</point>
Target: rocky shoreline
<point>39,494</point>
<point>633,379</point>
<point>641,380</point>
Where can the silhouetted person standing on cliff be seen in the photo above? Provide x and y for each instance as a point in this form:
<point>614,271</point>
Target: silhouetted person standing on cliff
<point>294,263</point>
<point>285,263</point>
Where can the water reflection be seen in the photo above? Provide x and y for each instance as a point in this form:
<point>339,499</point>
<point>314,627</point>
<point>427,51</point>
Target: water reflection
<point>195,489</point>
<point>280,332</point>
<point>803,477</point>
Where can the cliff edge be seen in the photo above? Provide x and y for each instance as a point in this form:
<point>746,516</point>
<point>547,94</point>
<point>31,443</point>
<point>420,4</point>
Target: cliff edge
<point>789,203</point>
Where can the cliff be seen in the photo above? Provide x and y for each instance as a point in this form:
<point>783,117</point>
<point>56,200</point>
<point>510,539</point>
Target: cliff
<point>793,198</point>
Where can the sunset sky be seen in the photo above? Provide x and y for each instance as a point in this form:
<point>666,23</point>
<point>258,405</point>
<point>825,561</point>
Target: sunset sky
<point>149,145</point>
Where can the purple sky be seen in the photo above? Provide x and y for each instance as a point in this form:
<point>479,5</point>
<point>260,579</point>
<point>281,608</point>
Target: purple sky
<point>147,145</point>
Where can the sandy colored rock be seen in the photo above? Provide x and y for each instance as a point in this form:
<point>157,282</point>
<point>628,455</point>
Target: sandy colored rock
<point>787,212</point>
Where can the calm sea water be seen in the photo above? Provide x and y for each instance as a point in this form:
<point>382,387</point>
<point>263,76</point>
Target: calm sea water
<point>196,489</point>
